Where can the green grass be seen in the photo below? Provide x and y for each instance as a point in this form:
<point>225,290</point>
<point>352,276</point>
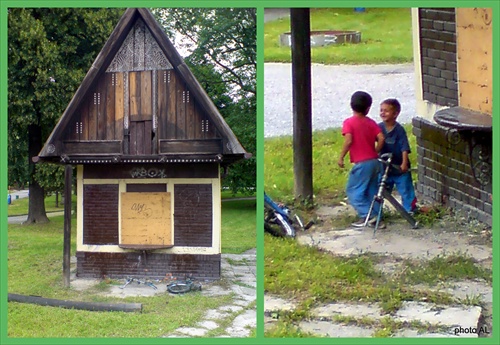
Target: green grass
<point>35,268</point>
<point>329,179</point>
<point>444,267</point>
<point>386,36</point>
<point>19,207</point>
<point>238,226</point>
<point>311,277</point>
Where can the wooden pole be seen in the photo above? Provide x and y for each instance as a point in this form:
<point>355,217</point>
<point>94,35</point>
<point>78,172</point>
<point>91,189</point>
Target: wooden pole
<point>68,174</point>
<point>302,100</point>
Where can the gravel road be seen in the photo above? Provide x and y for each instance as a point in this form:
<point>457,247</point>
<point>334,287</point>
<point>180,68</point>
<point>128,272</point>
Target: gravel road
<point>332,87</point>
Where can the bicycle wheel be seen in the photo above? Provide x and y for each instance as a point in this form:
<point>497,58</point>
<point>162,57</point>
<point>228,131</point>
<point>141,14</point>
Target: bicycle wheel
<point>179,287</point>
<point>286,228</point>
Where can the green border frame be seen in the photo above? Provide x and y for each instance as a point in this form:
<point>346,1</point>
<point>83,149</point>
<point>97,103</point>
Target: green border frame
<point>260,5</point>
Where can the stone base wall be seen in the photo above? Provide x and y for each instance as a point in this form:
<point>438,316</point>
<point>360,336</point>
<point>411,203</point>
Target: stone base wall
<point>445,172</point>
<point>142,264</point>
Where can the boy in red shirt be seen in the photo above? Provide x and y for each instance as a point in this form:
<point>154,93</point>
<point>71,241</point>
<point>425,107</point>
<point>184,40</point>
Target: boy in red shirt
<point>360,135</point>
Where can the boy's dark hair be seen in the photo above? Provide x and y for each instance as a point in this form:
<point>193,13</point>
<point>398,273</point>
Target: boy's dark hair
<point>361,102</point>
<point>394,103</point>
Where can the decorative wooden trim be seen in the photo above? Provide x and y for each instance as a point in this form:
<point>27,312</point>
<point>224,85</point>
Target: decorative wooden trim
<point>168,146</point>
<point>93,147</point>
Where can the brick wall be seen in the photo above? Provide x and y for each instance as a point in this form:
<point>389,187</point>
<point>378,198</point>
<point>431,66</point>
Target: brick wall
<point>438,55</point>
<point>193,215</point>
<point>147,264</point>
<point>100,214</point>
<point>445,174</point>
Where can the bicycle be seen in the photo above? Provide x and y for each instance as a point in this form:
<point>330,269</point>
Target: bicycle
<point>183,286</point>
<point>280,215</point>
<point>138,281</point>
<point>383,193</point>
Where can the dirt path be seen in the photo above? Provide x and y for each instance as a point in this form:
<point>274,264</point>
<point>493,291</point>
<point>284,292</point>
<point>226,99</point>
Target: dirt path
<point>467,316</point>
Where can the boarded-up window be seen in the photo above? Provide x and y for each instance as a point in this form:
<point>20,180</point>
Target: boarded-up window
<point>100,214</point>
<point>145,220</point>
<point>193,214</point>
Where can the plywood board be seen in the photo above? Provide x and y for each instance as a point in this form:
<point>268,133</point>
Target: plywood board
<point>145,219</point>
<point>475,63</point>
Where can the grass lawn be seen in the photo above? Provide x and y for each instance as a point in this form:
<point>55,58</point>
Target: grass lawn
<point>19,207</point>
<point>386,36</point>
<point>35,268</point>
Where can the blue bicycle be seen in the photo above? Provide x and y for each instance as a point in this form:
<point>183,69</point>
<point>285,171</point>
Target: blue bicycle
<point>279,221</point>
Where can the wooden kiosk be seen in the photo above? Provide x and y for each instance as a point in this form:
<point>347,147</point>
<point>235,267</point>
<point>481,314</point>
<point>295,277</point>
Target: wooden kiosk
<point>148,145</point>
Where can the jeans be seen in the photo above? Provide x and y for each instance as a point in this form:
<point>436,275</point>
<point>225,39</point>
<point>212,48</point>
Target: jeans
<point>362,186</point>
<point>404,185</point>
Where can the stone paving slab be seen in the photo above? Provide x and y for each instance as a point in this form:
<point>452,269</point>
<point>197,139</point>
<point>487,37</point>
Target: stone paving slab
<point>193,332</point>
<point>332,330</point>
<point>231,308</point>
<point>246,319</point>
<point>329,311</point>
<point>276,304</point>
<point>460,316</point>
<point>208,324</point>
<point>411,333</point>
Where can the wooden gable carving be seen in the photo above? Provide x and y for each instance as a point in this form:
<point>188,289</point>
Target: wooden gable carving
<point>140,99</point>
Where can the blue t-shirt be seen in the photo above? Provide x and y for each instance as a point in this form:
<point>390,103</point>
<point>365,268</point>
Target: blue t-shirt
<point>396,142</point>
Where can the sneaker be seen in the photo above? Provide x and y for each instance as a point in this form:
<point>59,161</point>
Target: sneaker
<point>373,221</point>
<point>359,223</point>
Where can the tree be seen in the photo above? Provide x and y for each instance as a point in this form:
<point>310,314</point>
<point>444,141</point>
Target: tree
<point>219,45</point>
<point>50,50</point>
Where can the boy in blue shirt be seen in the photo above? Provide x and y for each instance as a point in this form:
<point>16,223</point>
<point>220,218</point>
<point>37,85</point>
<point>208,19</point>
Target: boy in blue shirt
<point>396,142</point>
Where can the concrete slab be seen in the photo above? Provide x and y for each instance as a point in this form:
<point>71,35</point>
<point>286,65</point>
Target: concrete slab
<point>238,332</point>
<point>358,241</point>
<point>193,332</point>
<point>215,290</point>
<point>245,320</point>
<point>213,314</point>
<point>460,316</point>
<point>332,330</point>
<point>411,333</point>
<point>231,308</point>
<point>275,304</point>
<point>329,311</point>
<point>208,324</point>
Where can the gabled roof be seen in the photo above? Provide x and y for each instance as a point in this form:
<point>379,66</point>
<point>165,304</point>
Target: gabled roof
<point>232,149</point>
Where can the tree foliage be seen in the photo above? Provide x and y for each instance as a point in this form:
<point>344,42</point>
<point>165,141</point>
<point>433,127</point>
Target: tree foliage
<point>219,45</point>
<point>50,50</point>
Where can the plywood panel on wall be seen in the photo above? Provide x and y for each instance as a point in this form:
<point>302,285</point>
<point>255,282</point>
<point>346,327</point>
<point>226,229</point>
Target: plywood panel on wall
<point>145,219</point>
<point>474,54</point>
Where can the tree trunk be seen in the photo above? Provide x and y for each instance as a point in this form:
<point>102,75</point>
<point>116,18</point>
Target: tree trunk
<point>36,207</point>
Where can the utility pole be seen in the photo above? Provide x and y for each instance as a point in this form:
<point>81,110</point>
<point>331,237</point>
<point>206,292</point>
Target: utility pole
<point>302,100</point>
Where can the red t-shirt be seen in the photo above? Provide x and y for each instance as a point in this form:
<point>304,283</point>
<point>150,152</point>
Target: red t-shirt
<point>364,133</point>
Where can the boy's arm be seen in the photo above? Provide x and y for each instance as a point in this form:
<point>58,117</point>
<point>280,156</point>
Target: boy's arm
<point>404,165</point>
<point>380,142</point>
<point>405,150</point>
<point>345,149</point>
